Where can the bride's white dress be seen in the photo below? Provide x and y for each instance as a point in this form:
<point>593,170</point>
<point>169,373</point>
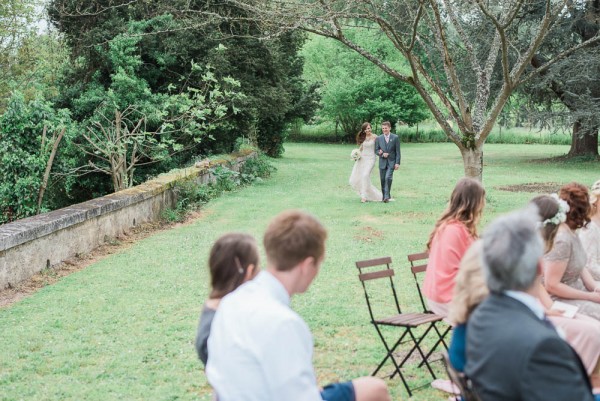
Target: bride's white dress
<point>360,179</point>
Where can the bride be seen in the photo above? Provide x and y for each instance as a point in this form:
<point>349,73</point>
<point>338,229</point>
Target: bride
<point>360,179</point>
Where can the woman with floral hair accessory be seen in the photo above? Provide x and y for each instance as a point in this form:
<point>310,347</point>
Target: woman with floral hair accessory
<point>590,235</point>
<point>360,178</point>
<point>452,235</point>
<point>565,276</point>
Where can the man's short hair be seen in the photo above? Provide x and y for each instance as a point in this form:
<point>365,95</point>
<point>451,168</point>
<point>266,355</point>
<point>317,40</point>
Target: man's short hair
<point>386,123</point>
<point>293,236</point>
<point>512,248</point>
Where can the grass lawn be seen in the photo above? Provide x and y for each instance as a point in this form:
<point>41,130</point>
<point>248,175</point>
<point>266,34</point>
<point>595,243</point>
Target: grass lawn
<point>124,327</point>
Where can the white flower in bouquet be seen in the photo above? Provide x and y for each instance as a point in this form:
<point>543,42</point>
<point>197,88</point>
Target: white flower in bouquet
<point>355,154</point>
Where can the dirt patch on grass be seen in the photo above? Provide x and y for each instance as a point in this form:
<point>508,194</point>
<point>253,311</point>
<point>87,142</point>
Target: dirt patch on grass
<point>534,187</point>
<point>368,234</point>
<point>51,275</point>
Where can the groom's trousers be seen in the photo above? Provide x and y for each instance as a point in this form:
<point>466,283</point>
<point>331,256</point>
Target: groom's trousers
<point>386,175</point>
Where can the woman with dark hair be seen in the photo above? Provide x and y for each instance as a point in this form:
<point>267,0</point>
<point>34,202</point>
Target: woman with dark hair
<point>565,276</point>
<point>233,260</point>
<point>360,179</point>
<point>453,234</point>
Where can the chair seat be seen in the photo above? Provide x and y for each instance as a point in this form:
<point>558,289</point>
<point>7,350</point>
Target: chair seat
<point>375,275</point>
<point>409,319</point>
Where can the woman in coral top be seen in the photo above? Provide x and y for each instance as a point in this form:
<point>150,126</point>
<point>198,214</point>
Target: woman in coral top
<point>454,232</point>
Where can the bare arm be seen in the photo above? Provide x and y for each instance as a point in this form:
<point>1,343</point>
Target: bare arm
<point>553,273</point>
<point>544,297</point>
<point>588,280</point>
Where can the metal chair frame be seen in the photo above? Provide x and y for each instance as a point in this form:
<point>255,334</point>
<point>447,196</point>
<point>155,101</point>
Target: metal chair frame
<point>418,265</point>
<point>406,321</point>
<point>467,392</point>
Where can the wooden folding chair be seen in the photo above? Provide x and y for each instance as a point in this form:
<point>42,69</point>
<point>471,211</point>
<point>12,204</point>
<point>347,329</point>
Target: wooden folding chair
<point>467,392</point>
<point>380,270</point>
<point>418,266</point>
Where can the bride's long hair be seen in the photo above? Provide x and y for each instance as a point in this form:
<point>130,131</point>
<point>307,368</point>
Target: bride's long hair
<point>362,134</point>
<point>466,205</point>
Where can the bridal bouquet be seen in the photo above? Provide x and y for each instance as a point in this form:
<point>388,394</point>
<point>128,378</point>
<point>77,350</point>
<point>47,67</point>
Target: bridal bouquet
<point>355,154</point>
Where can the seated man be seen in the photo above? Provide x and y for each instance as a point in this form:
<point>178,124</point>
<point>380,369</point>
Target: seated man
<point>259,348</point>
<point>513,352</point>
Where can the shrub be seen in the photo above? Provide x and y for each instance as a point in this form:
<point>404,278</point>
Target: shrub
<point>325,133</point>
<point>191,196</point>
<point>258,167</point>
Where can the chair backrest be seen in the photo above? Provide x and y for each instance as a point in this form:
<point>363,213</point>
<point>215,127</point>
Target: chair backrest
<point>461,381</point>
<point>377,269</point>
<point>418,265</point>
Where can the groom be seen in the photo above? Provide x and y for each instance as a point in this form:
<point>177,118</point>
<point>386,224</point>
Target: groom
<point>387,147</point>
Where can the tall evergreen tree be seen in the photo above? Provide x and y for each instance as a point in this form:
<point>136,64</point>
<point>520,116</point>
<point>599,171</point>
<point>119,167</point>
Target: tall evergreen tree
<point>177,33</point>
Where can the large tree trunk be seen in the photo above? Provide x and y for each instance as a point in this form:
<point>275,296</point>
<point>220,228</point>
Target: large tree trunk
<point>584,141</point>
<point>473,162</point>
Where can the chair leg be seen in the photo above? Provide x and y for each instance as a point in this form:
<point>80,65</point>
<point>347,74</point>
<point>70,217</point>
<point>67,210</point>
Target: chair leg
<point>443,336</point>
<point>417,347</point>
<point>390,355</point>
<point>439,341</point>
<point>389,351</point>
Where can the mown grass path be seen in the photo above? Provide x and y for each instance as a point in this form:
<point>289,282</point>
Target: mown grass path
<point>123,328</point>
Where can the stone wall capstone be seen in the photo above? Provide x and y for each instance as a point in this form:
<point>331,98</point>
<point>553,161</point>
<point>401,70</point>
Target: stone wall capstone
<point>29,245</point>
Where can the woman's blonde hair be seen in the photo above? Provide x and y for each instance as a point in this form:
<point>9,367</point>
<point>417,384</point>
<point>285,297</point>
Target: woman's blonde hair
<point>470,288</point>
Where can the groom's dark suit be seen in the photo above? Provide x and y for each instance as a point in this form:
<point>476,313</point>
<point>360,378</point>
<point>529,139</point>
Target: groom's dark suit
<point>514,355</point>
<point>386,165</point>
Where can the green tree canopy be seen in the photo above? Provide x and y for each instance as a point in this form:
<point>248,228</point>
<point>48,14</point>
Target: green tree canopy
<point>354,91</point>
<point>466,57</point>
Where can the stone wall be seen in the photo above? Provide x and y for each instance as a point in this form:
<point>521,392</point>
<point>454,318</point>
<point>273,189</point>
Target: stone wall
<point>29,245</point>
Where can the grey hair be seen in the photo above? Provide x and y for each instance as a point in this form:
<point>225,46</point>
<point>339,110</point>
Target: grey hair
<point>512,248</point>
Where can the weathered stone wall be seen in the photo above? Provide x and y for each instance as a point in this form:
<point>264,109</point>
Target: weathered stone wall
<point>29,245</point>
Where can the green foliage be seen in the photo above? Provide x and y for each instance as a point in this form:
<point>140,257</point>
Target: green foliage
<point>17,28</point>
<point>567,94</point>
<point>172,215</point>
<point>242,144</point>
<point>325,133</point>
<point>354,91</point>
<point>129,126</point>
<point>258,167</point>
<point>226,179</point>
<point>174,34</point>
<point>191,196</point>
<point>25,131</point>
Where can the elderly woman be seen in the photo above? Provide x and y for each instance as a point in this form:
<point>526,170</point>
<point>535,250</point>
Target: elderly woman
<point>565,276</point>
<point>590,235</point>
